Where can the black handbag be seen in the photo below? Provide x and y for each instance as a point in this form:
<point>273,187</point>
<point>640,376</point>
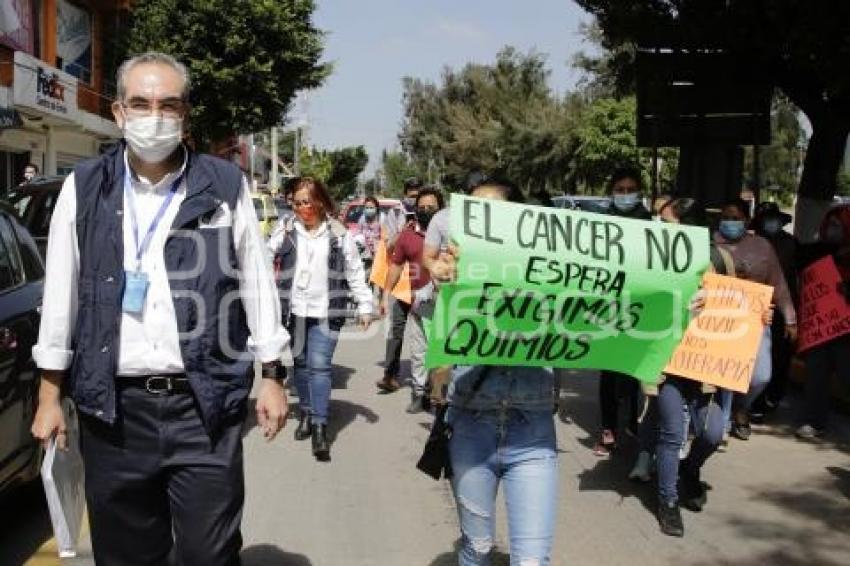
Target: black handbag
<point>435,460</point>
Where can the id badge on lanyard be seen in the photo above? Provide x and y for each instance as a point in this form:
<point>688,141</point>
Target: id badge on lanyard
<point>137,282</point>
<point>135,290</point>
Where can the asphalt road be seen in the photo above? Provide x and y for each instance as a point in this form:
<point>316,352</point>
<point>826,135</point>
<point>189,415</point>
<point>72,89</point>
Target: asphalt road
<point>774,500</point>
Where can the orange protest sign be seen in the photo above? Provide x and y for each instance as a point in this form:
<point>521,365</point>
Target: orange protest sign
<point>824,312</point>
<point>380,268</point>
<point>720,344</point>
<point>380,265</point>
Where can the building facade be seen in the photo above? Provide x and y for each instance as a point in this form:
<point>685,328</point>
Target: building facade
<point>55,86</point>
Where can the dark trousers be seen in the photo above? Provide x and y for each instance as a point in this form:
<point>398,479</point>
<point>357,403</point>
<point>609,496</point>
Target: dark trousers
<point>821,362</point>
<point>612,386</point>
<point>398,320</point>
<point>782,351</point>
<point>158,490</point>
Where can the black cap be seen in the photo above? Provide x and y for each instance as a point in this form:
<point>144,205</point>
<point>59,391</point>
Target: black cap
<point>771,210</point>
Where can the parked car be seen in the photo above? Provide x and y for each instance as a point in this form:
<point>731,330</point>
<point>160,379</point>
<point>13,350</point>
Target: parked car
<point>21,288</point>
<point>267,212</point>
<point>34,203</point>
<point>352,211</point>
<point>582,202</point>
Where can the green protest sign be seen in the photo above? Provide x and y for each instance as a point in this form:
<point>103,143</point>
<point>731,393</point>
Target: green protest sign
<point>562,288</point>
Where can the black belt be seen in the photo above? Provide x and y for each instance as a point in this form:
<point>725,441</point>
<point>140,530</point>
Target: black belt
<point>158,384</point>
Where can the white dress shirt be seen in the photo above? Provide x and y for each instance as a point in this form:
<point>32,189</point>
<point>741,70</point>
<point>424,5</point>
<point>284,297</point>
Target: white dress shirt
<point>149,341</point>
<point>312,258</point>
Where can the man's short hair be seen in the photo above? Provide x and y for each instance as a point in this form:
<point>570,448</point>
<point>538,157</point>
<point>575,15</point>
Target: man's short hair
<point>431,191</point>
<point>412,183</point>
<point>626,172</point>
<point>152,57</point>
<point>33,165</point>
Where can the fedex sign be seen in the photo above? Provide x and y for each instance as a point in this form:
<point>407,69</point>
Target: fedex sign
<point>46,89</point>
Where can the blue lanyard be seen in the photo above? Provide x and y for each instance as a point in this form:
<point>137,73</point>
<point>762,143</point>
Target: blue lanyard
<point>131,203</point>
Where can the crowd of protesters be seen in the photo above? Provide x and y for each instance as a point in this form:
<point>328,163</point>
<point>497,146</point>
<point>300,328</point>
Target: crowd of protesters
<point>679,423</point>
<point>113,335</point>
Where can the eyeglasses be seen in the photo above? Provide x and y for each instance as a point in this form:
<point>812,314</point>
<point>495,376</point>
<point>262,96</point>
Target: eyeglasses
<point>167,108</point>
<point>427,209</point>
<point>302,203</point>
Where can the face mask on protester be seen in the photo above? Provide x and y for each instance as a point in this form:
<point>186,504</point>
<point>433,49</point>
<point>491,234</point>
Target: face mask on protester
<point>370,213</point>
<point>307,214</point>
<point>153,138</point>
<point>424,217</point>
<point>771,226</point>
<point>626,202</point>
<point>732,230</point>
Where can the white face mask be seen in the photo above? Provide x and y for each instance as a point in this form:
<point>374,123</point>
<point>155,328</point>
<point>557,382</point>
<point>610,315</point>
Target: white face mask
<point>153,138</point>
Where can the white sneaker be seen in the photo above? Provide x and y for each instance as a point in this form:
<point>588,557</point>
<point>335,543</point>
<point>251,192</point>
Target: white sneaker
<point>643,468</point>
<point>808,432</point>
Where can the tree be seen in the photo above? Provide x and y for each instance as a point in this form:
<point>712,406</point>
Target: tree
<point>780,161</point>
<point>396,166</point>
<point>338,169</point>
<point>500,118</point>
<point>802,46</point>
<point>346,165</point>
<point>247,58</point>
<point>315,163</point>
<point>608,72</point>
<point>607,139</point>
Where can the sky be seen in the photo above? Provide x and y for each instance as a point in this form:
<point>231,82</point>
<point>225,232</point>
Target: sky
<point>373,44</point>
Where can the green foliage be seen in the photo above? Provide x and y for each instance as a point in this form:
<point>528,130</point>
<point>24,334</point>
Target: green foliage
<point>315,163</point>
<point>606,139</point>
<point>780,162</point>
<point>338,169</point>
<point>499,118</point>
<point>346,165</point>
<point>608,70</point>
<point>801,46</point>
<point>247,58</point>
<point>395,168</point>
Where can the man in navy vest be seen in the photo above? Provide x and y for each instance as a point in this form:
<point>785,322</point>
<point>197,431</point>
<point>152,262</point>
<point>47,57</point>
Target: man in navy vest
<point>159,297</point>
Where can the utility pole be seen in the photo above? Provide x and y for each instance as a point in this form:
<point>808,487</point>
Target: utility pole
<point>296,159</point>
<point>251,164</point>
<point>274,177</point>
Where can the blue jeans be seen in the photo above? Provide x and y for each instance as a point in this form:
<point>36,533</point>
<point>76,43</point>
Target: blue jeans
<point>313,345</point>
<point>730,400</point>
<point>518,449</point>
<point>708,424</point>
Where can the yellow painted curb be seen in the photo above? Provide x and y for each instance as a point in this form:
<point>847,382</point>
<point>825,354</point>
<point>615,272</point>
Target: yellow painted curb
<point>48,553</point>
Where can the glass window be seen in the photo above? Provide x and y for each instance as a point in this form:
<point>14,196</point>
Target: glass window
<point>30,256</point>
<point>10,262</point>
<point>74,40</point>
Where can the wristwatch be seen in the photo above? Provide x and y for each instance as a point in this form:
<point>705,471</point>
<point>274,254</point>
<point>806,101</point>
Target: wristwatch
<point>274,370</point>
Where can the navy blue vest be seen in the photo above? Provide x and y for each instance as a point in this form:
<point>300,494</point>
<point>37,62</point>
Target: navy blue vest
<point>210,315</point>
<point>338,291</point>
